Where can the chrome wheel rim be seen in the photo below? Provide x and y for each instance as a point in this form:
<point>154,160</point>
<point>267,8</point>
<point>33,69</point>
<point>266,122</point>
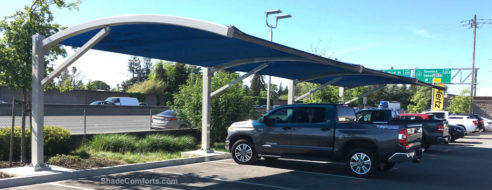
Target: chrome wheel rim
<point>360,163</point>
<point>243,152</point>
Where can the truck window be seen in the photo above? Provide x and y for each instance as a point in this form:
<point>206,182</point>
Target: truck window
<point>309,115</point>
<point>282,115</point>
<point>439,115</point>
<point>345,114</point>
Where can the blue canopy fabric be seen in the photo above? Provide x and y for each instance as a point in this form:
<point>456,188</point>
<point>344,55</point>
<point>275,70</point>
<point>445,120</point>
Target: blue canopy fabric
<point>197,44</point>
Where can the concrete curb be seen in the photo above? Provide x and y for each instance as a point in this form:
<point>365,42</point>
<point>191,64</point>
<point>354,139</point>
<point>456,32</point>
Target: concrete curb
<point>66,175</point>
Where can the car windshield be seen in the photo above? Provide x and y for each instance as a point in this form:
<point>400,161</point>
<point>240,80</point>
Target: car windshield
<point>96,103</point>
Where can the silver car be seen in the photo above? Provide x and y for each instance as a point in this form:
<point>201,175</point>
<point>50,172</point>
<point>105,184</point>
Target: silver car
<point>167,120</point>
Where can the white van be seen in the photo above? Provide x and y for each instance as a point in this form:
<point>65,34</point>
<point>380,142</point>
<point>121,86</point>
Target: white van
<point>123,101</point>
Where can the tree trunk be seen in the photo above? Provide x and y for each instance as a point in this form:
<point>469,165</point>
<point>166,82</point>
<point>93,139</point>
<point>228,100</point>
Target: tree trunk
<point>23,127</point>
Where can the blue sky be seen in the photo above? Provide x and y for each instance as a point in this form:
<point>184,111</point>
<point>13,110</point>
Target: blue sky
<point>376,34</point>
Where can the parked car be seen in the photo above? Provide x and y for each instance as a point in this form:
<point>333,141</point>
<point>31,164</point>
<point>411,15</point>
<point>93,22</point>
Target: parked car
<point>456,132</point>
<point>168,120</point>
<point>480,124</point>
<point>123,101</point>
<point>469,123</point>
<point>463,121</point>
<point>325,131</point>
<point>101,102</point>
<point>3,102</point>
<point>436,131</point>
<point>488,124</point>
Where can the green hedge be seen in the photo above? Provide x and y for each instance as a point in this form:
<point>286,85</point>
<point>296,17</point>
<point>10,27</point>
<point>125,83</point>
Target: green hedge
<point>56,141</point>
<point>151,143</point>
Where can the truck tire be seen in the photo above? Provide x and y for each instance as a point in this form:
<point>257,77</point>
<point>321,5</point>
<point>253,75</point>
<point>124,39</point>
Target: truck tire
<point>361,162</point>
<point>243,152</point>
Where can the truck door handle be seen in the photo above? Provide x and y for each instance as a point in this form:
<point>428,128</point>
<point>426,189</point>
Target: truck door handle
<point>286,128</point>
<point>325,129</point>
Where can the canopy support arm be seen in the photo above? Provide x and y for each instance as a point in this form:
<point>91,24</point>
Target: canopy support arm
<point>255,70</point>
<point>86,47</point>
<point>319,88</point>
<point>365,94</point>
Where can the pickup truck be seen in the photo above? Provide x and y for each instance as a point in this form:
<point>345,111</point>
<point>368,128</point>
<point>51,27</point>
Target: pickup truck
<point>326,132</point>
<point>436,131</point>
<point>469,123</point>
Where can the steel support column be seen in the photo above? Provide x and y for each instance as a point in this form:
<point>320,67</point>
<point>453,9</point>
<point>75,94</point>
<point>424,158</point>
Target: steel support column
<point>292,92</point>
<point>207,74</point>
<point>37,140</point>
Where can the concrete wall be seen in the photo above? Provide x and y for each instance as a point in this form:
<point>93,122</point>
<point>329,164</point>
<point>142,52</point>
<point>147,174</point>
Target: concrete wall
<point>74,97</point>
<point>483,106</point>
<point>76,110</point>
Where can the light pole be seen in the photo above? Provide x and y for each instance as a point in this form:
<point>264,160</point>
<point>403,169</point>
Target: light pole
<point>271,39</point>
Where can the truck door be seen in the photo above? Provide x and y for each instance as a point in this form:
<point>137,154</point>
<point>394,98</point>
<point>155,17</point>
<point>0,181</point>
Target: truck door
<point>312,130</point>
<point>275,134</point>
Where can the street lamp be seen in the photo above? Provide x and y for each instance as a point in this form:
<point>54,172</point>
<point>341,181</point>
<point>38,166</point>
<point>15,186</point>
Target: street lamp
<point>283,16</point>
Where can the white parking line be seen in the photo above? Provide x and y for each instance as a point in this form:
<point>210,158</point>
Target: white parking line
<point>68,186</point>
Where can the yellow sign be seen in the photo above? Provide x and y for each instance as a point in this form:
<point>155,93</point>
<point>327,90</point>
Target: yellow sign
<point>436,80</point>
<point>438,98</point>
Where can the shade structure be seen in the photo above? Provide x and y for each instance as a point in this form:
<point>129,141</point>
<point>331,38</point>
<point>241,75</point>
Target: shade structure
<point>207,44</point>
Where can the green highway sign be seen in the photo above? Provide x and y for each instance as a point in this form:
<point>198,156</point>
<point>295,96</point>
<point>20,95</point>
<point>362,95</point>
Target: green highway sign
<point>428,75</point>
<point>424,75</point>
<point>401,72</point>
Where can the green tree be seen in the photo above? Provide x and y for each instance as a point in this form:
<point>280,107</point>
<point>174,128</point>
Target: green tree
<point>461,103</point>
<point>327,94</point>
<point>257,85</point>
<point>420,100</point>
<point>97,85</point>
<point>16,46</point>
<point>227,107</point>
<point>148,87</point>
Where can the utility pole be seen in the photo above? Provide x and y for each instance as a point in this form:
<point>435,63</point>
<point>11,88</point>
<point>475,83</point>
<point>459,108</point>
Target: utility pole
<point>474,24</point>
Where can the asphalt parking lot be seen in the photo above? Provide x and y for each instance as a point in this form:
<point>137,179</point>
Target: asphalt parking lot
<point>465,164</point>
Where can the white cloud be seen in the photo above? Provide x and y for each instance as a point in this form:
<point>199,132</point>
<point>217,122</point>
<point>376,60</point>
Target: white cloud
<point>422,33</point>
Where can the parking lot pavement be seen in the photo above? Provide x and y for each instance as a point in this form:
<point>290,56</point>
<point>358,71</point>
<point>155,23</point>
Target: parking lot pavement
<point>465,164</point>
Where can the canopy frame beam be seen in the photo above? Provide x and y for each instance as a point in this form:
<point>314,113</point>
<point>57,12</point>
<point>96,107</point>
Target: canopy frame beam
<point>74,57</point>
<point>319,88</point>
<point>366,94</point>
<point>255,70</point>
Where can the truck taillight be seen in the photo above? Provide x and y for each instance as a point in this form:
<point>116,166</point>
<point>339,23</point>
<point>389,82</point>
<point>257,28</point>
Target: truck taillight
<point>402,137</point>
<point>440,129</point>
<point>475,122</point>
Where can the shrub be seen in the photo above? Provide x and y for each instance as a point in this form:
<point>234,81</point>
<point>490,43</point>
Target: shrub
<point>56,140</point>
<point>113,143</point>
<point>62,159</point>
<point>153,143</point>
<point>5,142</point>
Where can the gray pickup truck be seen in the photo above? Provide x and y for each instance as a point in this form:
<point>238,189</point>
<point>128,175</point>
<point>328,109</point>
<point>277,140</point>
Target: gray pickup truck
<point>326,132</point>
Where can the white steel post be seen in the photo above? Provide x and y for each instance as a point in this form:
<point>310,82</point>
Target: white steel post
<point>292,92</point>
<point>207,74</point>
<point>37,142</point>
<point>341,93</point>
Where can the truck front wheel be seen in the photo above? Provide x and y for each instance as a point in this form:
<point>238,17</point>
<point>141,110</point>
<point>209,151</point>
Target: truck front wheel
<point>361,162</point>
<point>243,152</point>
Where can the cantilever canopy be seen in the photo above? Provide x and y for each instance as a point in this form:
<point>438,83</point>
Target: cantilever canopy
<point>211,45</point>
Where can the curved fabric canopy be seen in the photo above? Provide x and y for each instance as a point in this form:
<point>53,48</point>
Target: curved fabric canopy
<point>206,44</point>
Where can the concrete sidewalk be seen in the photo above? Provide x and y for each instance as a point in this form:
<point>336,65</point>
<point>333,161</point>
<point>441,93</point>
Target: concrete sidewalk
<point>27,176</point>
